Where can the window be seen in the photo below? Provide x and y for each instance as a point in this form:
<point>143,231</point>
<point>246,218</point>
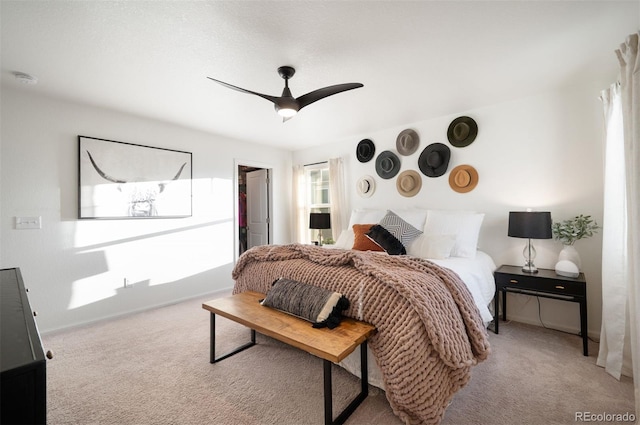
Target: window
<point>317,198</point>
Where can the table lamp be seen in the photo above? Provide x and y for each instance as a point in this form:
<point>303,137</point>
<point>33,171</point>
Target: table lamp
<point>529,225</point>
<point>319,221</point>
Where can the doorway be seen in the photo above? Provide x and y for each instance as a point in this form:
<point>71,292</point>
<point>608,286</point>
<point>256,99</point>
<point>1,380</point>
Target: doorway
<point>253,224</point>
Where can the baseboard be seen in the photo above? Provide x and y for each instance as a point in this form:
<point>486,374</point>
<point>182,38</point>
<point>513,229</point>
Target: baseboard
<point>214,294</point>
<point>595,336</point>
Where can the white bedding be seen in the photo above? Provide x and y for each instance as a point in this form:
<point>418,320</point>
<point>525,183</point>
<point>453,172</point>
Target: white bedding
<point>477,274</point>
<point>476,271</point>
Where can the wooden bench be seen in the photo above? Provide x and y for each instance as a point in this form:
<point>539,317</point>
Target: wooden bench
<point>331,345</point>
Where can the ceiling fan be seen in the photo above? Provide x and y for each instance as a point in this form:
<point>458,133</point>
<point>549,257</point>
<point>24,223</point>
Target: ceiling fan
<point>286,105</point>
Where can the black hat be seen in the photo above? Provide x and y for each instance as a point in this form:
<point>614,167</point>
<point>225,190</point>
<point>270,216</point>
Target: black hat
<point>365,150</point>
<point>462,132</point>
<point>387,164</point>
<point>434,160</point>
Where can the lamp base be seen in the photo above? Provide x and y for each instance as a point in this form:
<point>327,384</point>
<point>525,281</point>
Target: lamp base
<point>529,253</point>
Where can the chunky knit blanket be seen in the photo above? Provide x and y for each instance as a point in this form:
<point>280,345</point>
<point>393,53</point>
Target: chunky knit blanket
<point>429,331</point>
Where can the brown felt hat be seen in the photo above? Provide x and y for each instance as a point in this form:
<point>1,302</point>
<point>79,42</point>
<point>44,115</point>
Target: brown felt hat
<point>409,183</point>
<point>463,178</point>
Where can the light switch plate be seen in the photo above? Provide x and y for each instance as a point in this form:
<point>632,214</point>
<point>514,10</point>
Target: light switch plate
<point>28,223</point>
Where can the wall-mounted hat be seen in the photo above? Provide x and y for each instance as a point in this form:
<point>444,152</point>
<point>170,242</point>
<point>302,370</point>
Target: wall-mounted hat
<point>387,164</point>
<point>365,150</point>
<point>409,183</point>
<point>407,142</point>
<point>434,160</point>
<point>463,178</point>
<point>462,132</point>
<point>366,186</point>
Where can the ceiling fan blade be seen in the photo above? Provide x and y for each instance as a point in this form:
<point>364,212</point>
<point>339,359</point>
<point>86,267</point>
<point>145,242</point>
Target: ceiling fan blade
<point>273,99</point>
<point>316,95</point>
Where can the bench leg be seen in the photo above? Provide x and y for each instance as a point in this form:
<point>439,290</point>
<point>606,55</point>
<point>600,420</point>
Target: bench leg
<point>212,349</point>
<point>328,397</point>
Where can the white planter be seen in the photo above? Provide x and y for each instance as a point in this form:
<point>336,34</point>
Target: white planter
<point>570,253</point>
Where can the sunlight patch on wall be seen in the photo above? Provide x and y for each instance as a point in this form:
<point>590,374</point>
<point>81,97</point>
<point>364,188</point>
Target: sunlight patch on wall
<point>212,202</point>
<point>92,289</point>
<point>152,252</point>
<point>173,256</point>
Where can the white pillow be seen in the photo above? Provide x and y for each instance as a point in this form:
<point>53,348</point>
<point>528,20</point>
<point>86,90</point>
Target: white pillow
<point>464,225</point>
<point>362,216</point>
<point>345,240</point>
<point>432,247</point>
<point>414,216</point>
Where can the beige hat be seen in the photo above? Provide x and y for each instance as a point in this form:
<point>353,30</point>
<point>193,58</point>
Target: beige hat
<point>409,183</point>
<point>366,186</point>
<point>407,142</point>
<point>463,178</point>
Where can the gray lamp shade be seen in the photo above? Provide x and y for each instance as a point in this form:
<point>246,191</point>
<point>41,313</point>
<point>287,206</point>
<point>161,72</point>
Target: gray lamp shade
<point>319,221</point>
<point>529,224</point>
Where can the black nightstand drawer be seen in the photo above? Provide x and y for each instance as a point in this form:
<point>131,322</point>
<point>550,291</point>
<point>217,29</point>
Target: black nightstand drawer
<point>535,283</point>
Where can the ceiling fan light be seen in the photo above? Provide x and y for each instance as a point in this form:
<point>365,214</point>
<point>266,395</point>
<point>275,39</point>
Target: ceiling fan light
<point>287,112</point>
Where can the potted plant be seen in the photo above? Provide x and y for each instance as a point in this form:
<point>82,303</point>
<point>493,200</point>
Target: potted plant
<point>570,231</point>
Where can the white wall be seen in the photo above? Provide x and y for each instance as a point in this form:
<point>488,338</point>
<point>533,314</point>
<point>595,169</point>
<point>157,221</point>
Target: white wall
<point>543,152</point>
<point>75,269</point>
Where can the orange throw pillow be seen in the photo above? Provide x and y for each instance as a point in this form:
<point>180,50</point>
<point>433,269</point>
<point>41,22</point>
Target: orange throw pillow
<point>361,242</point>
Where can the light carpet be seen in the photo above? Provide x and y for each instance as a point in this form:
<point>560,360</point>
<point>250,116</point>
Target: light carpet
<point>153,368</point>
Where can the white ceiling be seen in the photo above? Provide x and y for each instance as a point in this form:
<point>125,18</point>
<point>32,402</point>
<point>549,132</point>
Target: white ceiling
<point>417,60</point>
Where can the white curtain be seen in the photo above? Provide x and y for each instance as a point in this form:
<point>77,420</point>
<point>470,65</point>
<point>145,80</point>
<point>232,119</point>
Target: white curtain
<point>299,230</point>
<point>614,336</point>
<point>337,197</point>
<point>620,332</point>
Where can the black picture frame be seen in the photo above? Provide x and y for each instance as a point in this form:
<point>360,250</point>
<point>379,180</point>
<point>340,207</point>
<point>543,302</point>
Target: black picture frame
<point>118,180</point>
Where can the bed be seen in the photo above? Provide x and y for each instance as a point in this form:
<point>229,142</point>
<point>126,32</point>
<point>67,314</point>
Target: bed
<point>431,313</point>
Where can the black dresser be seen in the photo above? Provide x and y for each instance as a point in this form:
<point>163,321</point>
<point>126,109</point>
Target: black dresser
<point>22,360</point>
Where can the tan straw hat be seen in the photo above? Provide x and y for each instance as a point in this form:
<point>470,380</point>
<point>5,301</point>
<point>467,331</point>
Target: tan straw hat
<point>463,178</point>
<point>409,183</point>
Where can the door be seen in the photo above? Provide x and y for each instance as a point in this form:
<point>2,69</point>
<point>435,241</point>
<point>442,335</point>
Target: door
<point>257,208</point>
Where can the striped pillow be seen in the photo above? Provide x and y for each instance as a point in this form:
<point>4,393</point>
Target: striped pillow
<point>321,307</point>
<point>399,228</point>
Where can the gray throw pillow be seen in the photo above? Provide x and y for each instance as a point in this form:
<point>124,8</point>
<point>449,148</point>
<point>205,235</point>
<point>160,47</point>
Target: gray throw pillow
<point>319,306</point>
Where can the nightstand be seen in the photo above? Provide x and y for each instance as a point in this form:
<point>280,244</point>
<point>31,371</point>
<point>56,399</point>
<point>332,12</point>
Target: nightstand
<point>546,283</point>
